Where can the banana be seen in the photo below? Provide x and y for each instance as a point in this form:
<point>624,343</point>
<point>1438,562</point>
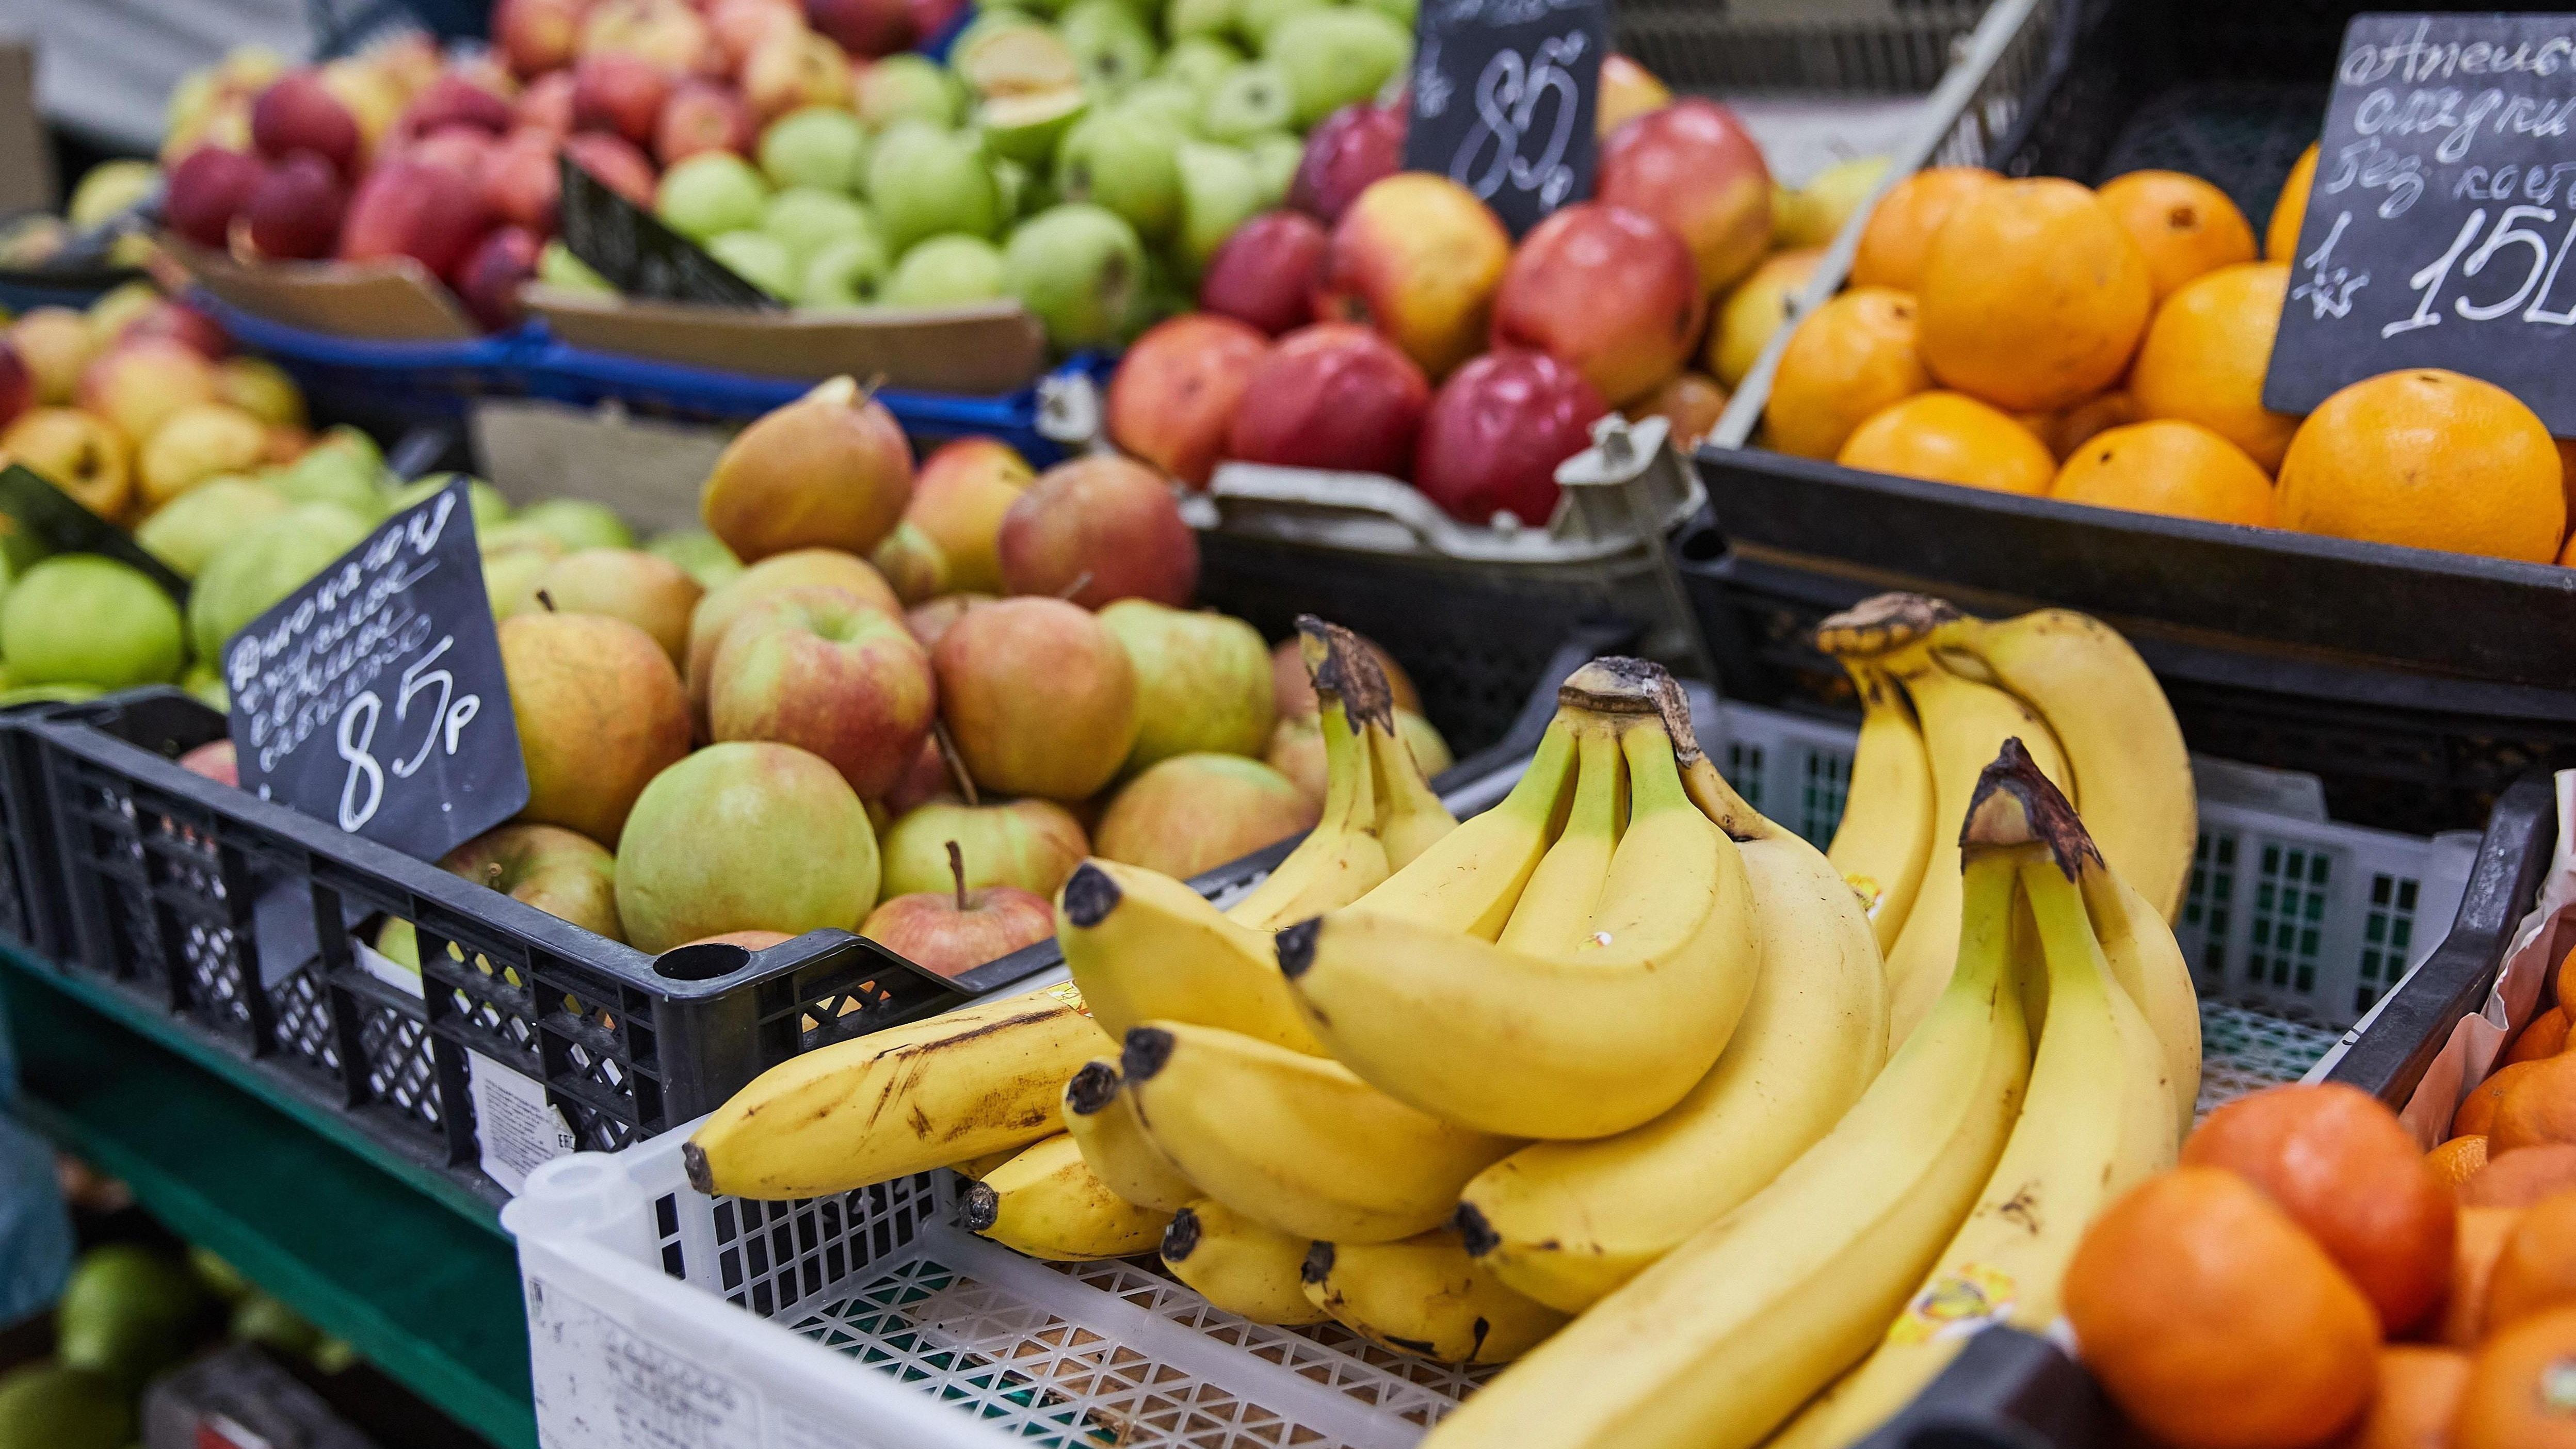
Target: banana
<point>2098,1119</point>
<point>1567,1222</point>
<point>1103,1125</point>
<point>1575,1044</point>
<point>2149,966</point>
<point>1410,816</point>
<point>1296,1141</point>
<point>974,1168</point>
<point>1555,909</point>
<point>1469,879</point>
<point>1142,946</point>
<point>1244,1266</point>
<point>1342,858</point>
<point>1885,835</point>
<point>1048,1203</point>
<point>898,1101</point>
<point>2132,775</point>
<point>1423,1295</point>
<point>1712,1347</point>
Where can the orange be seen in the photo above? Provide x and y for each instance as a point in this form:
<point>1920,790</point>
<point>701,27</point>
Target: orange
<point>2567,473</point>
<point>1848,358</point>
<point>2481,1239</point>
<point>2033,295</point>
<point>2564,982</point>
<point>2545,1037</point>
<point>2419,1394</point>
<point>2539,1109</point>
<point>1901,227</point>
<point>2477,1110</point>
<point>2519,1178</point>
<point>2098,414</point>
<point>1758,307</point>
<point>2281,233</point>
<point>2181,469</point>
<point>2537,1269</point>
<point>2457,1160</point>
<point>2184,225</point>
<point>2205,355</point>
<point>2567,555</point>
<point>2429,459</point>
<point>1949,437</point>
<point>2345,1169</point>
<point>2521,1392</point>
<point>2214,1322</point>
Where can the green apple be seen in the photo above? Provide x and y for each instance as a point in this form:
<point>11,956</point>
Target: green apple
<point>195,526</point>
<point>1166,102</point>
<point>1276,155</point>
<point>341,476</point>
<point>709,194</point>
<point>1335,57</point>
<point>1250,100</point>
<point>510,578</point>
<point>1007,53</point>
<point>206,682</point>
<point>1027,127</point>
<point>758,258</point>
<point>491,510</point>
<point>263,566</point>
<point>1011,185</point>
<point>700,554</point>
<point>1202,681</point>
<point>945,271</point>
<point>1255,19</point>
<point>804,219</point>
<point>1198,61</point>
<point>744,836</point>
<point>1031,844</point>
<point>1184,19</point>
<point>1402,12</point>
<point>1078,269</point>
<point>821,146</point>
<point>558,267</point>
<point>845,273</point>
<point>926,181</point>
<point>1114,48</point>
<point>1221,189</point>
<point>578,523</point>
<point>78,618</point>
<point>1126,163</point>
<point>342,438</point>
<point>909,87</point>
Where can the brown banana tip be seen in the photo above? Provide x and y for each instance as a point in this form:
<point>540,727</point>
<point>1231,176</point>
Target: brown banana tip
<point>1089,896</point>
<point>1613,684</point>
<point>1882,622</point>
<point>1144,1052</point>
<point>1318,1265</point>
<point>1092,1088</point>
<point>1341,665</point>
<point>2017,805</point>
<point>1673,703</point>
<point>980,1209</point>
<point>1181,1236</point>
<point>1475,1234</point>
<point>1296,947</point>
<point>693,1163</point>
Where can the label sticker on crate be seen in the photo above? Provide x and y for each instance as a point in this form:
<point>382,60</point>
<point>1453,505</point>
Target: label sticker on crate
<point>517,1128</point>
<point>640,256</point>
<point>372,696</point>
<point>37,518</point>
<point>2444,204</point>
<point>599,1386</point>
<point>1503,98</point>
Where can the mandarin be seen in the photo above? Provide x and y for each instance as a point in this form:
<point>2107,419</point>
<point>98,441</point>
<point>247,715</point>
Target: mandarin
<point>1950,437</point>
<point>2095,415</point>
<point>2182,470</point>
<point>1847,359</point>
<point>2521,1392</point>
<point>2281,233</point>
<point>2539,1108</point>
<point>2428,459</point>
<point>2519,1178</point>
<point>2544,1037</point>
<point>2537,1269</point>
<point>2184,225</point>
<point>2477,1110</point>
<point>2034,296</point>
<point>2457,1160</point>
<point>1901,227</point>
<point>2419,1394</point>
<point>2205,355</point>
<point>2481,1239</point>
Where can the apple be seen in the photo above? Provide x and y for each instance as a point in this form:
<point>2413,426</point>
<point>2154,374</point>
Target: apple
<point>913,565</point>
<point>196,443</point>
<point>619,94</point>
<point>179,322</point>
<point>830,470</point>
<point>1267,272</point>
<point>1062,741</point>
<point>924,181</point>
<point>545,107</point>
<point>578,523</point>
<point>1497,430</point>
<point>1757,308</point>
<point>710,194</point>
<point>216,760</point>
<point>1185,19</point>
<point>454,100</point>
<point>201,522</point>
<point>1421,259</point>
<point>1336,57</point>
<point>299,113</point>
<point>521,182</point>
<point>959,498</point>
<point>757,258</point>
<point>739,26</point>
<point>1079,269</point>
<point>111,314</point>
<point>55,344</point>
<point>490,277</point>
<point>1628,90</point>
<point>1691,402</point>
<point>1198,61</point>
<point>1010,52</point>
<point>747,940</point>
<point>564,874</point>
<point>928,622</point>
<point>1202,682</point>
<point>667,33</point>
<point>954,931</point>
<point>1257,19</point>
<point>744,836</point>
<point>1029,845</point>
<point>716,612</point>
<point>1348,152</point>
<point>1814,214</point>
<point>1173,398</point>
<point>296,209</point>
<point>820,146</point>
<point>428,213</point>
<point>1692,166</point>
<point>207,189</point>
<point>1192,813</point>
<point>931,18</point>
<point>653,594</point>
<point>273,559</point>
<point>806,219</point>
<point>17,382</point>
<point>260,388</point>
<point>614,163</point>
<point>1220,191</point>
<point>699,554</point>
<point>1608,290</point>
<point>821,669</point>
<point>137,385</point>
<point>1098,529</point>
<point>349,480</point>
<point>1245,100</point>
<point>79,618</point>
<point>867,28</point>
<point>845,273</point>
<point>1126,162</point>
<point>372,97</point>
<point>77,452</point>
<point>537,36</point>
<point>700,116</point>
<point>788,71</point>
<point>945,271</point>
<point>1335,395</point>
<point>1294,689</point>
<point>922,781</point>
<point>600,712</point>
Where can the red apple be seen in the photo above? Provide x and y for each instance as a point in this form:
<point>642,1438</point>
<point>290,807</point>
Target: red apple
<point>1173,397</point>
<point>182,323</point>
<point>1609,290</point>
<point>453,100</point>
<point>1266,272</point>
<point>298,113</point>
<point>17,383</point>
<point>700,116</point>
<point>216,761</point>
<point>1346,153</point>
<point>537,35</point>
<point>1497,430</point>
<point>461,149</point>
<point>821,669</point>
<point>618,93</point>
<point>297,209</point>
<point>614,162</point>
<point>428,213</point>
<point>930,17</point>
<point>545,106</point>
<point>1060,740</point>
<point>1693,167</point>
<point>1334,395</point>
<point>922,781</point>
<point>1418,257</point>
<point>957,930</point>
<point>492,273</point>
<point>741,25</point>
<point>520,181</point>
<point>1099,529</point>
<point>208,188</point>
<point>869,28</point>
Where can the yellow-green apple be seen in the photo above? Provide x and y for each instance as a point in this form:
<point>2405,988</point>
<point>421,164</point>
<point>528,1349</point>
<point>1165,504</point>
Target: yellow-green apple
<point>699,553</point>
<point>1293,690</point>
<point>252,572</point>
<point>1265,273</point>
<point>181,322</point>
<point>1193,813</point>
<point>1038,696</point>
<point>747,940</point>
<point>137,385</point>
<point>1098,529</point>
<point>1628,90</point>
<point>260,388</point>
<point>600,713</point>
<point>1296,750</point>
<point>1692,166</point>
<point>928,621</point>
<point>579,522</point>
<point>1756,308</point>
<point>55,343</point>
<point>1418,257</point>
<point>537,36</point>
<point>1610,291</point>
<point>206,440</point>
<point>829,470</point>
<point>1335,395</point>
<point>744,836</point>
<point>1349,151</point>
<point>822,669</point>
<point>956,930</point>
<point>1029,844</point>
<point>1202,681</point>
<point>78,618</point>
<point>716,612</point>
<point>912,564</point>
<point>1691,402</point>
<point>201,522</point>
<point>560,872</point>
<point>667,33</point>
<point>78,453</point>
<point>650,593</point>
<point>513,555</point>
<point>1173,397</point>
<point>959,498</point>
<point>1495,433</point>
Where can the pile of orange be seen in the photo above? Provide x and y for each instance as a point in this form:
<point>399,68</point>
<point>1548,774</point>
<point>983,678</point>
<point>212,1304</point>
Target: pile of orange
<point>2107,346</point>
<point>2307,1277</point>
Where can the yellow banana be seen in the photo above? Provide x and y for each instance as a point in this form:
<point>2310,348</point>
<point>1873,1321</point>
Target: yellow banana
<point>1885,836</point>
<point>1296,1141</point>
<point>1341,859</point>
<point>1048,1203</point>
<point>1555,909</point>
<point>1103,1125</point>
<point>898,1101</point>
<point>1410,816</point>
<point>1469,879</point>
<point>1567,1222</point>
<point>1240,1264</point>
<point>2149,966</point>
<point>974,1168</point>
<point>1715,1345</point>
<point>1423,1295</point>
<point>1577,1044</point>
<point>1141,945</point>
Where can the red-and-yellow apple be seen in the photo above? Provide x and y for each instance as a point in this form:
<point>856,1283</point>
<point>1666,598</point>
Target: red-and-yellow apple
<point>136,386</point>
<point>262,389</point>
<point>653,594</point>
<point>77,453</point>
<point>959,497</point>
<point>1193,813</point>
<point>55,344</point>
<point>820,669</point>
<point>614,162</point>
<point>792,70</point>
<point>1334,395</point>
<point>198,442</point>
<point>1692,166</point>
<point>1612,292</point>
<point>1296,750</point>
<point>830,470</point>
<point>1173,398</point>
<point>700,116</point>
<point>1495,433</point>
<point>560,872</point>
<point>600,713</point>
<point>545,106</point>
<point>619,94</point>
<point>912,564</point>
<point>1418,257</point>
<point>922,781</point>
<point>1060,739</point>
<point>521,182</point>
<point>928,621</point>
<point>799,568</point>
<point>1628,90</point>
<point>537,36</point>
<point>1202,681</point>
<point>668,33</point>
<point>744,836</point>
<point>1098,529</point>
<point>1031,845</point>
<point>958,929</point>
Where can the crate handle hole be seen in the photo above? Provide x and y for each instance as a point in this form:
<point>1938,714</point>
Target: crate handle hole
<point>703,962</point>
<point>1703,545</point>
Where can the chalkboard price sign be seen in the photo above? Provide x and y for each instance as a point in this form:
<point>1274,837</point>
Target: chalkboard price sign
<point>640,256</point>
<point>2444,207</point>
<point>373,697</point>
<point>1504,95</point>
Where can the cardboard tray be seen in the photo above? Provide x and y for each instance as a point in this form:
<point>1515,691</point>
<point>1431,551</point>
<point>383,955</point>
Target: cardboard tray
<point>382,301</point>
<point>984,349</point>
